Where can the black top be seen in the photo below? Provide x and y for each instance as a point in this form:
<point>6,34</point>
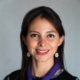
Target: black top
<point>62,75</point>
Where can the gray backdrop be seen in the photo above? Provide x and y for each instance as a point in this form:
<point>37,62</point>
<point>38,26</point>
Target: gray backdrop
<point>11,16</point>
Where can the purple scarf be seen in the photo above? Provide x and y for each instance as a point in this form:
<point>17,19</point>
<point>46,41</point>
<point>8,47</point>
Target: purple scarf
<point>49,75</point>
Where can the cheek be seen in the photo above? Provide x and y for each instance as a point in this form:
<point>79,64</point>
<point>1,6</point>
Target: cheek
<point>31,44</point>
<point>53,44</point>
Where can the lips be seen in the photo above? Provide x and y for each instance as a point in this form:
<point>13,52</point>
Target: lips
<point>42,49</point>
<point>42,52</point>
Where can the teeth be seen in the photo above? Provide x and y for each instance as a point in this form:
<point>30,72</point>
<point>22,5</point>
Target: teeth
<point>42,51</point>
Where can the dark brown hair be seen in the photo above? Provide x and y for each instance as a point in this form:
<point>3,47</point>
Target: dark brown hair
<point>50,15</point>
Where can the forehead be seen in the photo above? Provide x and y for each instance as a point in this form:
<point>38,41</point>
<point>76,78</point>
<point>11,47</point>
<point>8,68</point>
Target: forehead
<point>41,24</point>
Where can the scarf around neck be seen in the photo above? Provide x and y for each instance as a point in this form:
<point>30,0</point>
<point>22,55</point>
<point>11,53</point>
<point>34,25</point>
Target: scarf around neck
<point>49,75</point>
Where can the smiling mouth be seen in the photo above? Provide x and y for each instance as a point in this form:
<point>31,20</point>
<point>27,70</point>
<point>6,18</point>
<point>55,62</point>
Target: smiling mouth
<point>42,52</point>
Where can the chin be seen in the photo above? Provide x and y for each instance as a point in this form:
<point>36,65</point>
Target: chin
<point>42,59</point>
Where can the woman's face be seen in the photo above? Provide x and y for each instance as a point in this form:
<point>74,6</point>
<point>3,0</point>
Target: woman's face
<point>42,39</point>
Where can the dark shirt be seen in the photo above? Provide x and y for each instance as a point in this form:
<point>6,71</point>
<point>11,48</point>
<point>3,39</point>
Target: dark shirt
<point>62,75</point>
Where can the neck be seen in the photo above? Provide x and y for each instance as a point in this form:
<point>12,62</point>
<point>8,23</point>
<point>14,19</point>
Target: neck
<point>40,69</point>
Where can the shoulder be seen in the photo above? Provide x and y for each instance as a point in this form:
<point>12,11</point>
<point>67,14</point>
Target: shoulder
<point>12,75</point>
<point>68,76</point>
<point>64,75</point>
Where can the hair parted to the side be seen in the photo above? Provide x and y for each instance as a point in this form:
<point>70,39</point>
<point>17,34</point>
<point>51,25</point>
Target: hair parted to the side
<point>49,14</point>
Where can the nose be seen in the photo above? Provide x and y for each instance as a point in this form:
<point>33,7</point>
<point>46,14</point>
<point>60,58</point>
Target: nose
<point>42,42</point>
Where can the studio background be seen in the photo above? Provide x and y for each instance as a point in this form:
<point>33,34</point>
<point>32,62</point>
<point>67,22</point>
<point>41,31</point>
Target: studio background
<point>11,16</point>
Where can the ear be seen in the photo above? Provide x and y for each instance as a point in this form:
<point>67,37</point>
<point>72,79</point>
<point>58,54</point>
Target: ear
<point>24,39</point>
<point>61,40</point>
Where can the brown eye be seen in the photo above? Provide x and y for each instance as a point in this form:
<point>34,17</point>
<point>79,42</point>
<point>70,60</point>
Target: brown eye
<point>34,35</point>
<point>50,35</point>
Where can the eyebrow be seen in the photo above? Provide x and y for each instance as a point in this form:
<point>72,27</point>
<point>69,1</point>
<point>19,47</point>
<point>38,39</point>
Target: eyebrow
<point>46,32</point>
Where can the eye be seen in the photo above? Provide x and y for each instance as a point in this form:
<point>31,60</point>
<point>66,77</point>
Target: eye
<point>50,35</point>
<point>34,35</point>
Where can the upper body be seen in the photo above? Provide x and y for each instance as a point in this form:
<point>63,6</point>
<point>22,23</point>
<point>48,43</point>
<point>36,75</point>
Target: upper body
<point>62,75</point>
<point>42,43</point>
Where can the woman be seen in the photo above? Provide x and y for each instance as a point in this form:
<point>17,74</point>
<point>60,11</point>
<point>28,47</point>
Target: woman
<point>42,43</point>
